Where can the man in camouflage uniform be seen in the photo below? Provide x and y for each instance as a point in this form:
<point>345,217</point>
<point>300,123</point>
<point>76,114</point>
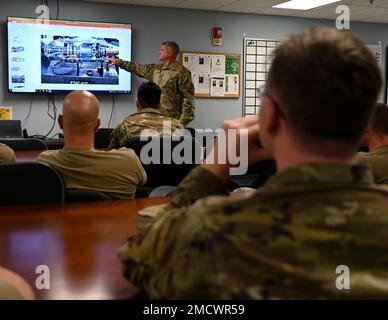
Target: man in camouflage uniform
<point>177,99</point>
<point>148,117</point>
<point>376,139</point>
<point>317,223</point>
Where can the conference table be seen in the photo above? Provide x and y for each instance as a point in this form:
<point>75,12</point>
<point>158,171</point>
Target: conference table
<point>77,242</point>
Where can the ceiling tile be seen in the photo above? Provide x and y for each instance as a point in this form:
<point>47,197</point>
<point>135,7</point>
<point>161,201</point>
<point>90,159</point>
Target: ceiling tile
<point>360,10</point>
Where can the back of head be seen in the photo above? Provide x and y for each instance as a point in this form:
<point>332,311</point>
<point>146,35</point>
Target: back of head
<point>80,111</point>
<point>379,122</point>
<point>326,82</point>
<point>173,45</point>
<point>149,94</point>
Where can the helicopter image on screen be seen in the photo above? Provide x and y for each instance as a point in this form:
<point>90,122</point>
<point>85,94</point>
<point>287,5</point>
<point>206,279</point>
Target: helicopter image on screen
<point>78,60</point>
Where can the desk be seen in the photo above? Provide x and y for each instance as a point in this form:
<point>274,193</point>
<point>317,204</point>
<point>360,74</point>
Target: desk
<point>78,242</point>
<point>27,155</point>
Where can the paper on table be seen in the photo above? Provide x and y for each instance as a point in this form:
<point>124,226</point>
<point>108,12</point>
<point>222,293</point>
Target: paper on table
<point>151,211</point>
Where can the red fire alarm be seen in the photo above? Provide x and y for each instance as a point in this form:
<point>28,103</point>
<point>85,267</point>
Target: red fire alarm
<point>217,36</point>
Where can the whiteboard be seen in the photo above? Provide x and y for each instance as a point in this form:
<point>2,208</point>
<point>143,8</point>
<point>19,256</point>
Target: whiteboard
<point>258,54</point>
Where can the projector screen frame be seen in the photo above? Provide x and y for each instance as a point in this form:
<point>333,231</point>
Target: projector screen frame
<point>65,91</point>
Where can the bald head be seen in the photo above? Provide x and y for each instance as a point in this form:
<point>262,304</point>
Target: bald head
<point>80,112</point>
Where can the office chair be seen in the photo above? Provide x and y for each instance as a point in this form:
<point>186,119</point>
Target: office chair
<point>24,144</point>
<point>85,195</point>
<point>102,138</point>
<point>162,191</point>
<point>165,173</point>
<point>30,183</point>
<point>384,181</point>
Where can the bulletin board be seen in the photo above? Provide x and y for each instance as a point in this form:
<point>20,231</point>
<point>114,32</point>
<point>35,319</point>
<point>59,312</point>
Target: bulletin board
<point>215,75</point>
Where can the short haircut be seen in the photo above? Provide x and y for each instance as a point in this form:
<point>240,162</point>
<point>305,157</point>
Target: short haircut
<point>326,82</point>
<point>149,95</point>
<point>173,45</point>
<point>379,122</point>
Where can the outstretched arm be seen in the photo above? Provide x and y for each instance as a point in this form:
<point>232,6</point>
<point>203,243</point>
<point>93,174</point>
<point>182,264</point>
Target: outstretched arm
<point>141,70</point>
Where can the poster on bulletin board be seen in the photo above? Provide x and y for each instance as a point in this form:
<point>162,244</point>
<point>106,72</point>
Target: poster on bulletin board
<point>215,75</point>
<point>5,113</point>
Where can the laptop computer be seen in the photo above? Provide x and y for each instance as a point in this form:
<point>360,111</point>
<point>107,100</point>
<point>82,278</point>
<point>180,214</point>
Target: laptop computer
<point>11,129</point>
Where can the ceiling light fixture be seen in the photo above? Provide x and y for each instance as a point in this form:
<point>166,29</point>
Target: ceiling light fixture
<point>303,4</point>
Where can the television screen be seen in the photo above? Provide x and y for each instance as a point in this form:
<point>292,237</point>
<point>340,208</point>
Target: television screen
<point>66,55</point>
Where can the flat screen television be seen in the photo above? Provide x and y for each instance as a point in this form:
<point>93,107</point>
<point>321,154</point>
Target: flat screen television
<point>65,55</point>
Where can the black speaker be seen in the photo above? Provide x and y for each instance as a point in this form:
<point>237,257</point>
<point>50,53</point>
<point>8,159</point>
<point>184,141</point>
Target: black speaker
<point>25,134</point>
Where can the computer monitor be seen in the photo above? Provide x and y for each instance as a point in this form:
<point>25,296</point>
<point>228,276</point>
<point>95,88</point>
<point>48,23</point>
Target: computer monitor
<point>10,129</point>
<point>67,55</point>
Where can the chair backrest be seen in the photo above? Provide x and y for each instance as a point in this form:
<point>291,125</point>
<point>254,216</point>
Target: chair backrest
<point>384,181</point>
<point>102,138</point>
<point>204,136</point>
<point>30,183</point>
<point>24,144</point>
<point>10,129</point>
<point>85,195</point>
<point>162,191</point>
<point>166,171</point>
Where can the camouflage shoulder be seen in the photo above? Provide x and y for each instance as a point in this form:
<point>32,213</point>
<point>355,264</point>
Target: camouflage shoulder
<point>184,71</point>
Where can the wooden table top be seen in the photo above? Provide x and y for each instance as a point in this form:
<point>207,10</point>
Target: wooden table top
<point>78,242</point>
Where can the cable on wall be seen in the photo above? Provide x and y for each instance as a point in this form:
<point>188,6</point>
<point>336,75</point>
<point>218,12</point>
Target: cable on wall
<point>52,116</point>
<point>25,121</point>
<point>111,113</point>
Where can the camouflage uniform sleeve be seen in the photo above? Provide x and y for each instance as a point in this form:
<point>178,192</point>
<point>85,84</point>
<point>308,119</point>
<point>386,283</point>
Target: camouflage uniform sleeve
<point>160,261</point>
<point>186,87</point>
<point>141,70</point>
<point>115,141</point>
